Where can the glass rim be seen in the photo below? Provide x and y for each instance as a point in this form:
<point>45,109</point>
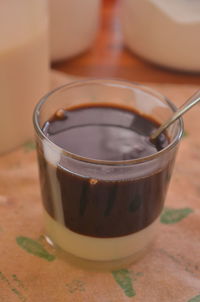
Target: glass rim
<point>107,82</point>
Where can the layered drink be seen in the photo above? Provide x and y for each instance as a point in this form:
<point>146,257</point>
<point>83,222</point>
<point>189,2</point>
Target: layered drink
<point>103,187</point>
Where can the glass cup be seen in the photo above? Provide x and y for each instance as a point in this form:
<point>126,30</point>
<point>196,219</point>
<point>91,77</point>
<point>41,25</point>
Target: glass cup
<point>103,211</point>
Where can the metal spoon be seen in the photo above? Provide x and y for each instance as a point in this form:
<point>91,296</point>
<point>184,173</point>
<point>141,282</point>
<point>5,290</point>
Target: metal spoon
<point>193,100</point>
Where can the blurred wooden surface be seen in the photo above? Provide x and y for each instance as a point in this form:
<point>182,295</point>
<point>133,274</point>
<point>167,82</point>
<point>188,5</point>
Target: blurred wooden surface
<point>109,58</point>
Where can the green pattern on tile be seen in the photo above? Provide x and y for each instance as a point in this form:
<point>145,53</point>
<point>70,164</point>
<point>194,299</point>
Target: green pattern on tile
<point>171,216</point>
<point>35,248</point>
<point>75,286</point>
<point>19,283</point>
<point>124,280</point>
<point>29,146</point>
<point>195,299</point>
<point>185,133</point>
<point>11,287</point>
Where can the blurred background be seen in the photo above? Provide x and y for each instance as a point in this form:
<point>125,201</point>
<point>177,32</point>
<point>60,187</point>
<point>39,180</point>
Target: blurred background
<point>161,31</point>
<point>151,41</point>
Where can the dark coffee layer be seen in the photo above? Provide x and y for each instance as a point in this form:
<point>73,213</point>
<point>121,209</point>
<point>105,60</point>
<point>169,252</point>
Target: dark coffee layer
<point>97,207</point>
<point>105,133</point>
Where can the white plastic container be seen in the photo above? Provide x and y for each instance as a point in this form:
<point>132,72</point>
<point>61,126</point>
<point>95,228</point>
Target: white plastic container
<point>73,26</point>
<point>24,67</point>
<point>164,32</point>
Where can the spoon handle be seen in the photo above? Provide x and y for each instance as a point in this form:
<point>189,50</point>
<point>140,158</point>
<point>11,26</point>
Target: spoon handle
<point>193,100</point>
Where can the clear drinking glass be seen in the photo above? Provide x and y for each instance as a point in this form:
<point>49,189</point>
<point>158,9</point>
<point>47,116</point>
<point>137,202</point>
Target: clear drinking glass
<point>88,210</point>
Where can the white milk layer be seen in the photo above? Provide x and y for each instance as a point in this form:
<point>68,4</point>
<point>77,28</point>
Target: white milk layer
<point>98,249</point>
<point>164,32</point>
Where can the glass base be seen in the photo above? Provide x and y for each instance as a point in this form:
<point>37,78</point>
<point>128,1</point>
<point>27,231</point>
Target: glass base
<point>92,265</point>
<point>98,253</point>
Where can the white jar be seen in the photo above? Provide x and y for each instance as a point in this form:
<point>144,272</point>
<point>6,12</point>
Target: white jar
<point>73,26</point>
<point>165,32</point>
<point>24,67</point>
